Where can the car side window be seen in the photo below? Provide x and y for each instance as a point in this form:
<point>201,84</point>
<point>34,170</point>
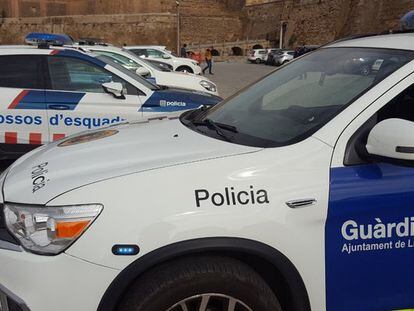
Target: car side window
<point>155,53</point>
<point>140,52</point>
<point>400,107</point>
<point>119,59</point>
<point>21,71</point>
<point>71,74</point>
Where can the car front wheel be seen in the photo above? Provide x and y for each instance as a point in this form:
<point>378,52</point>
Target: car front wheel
<point>210,283</point>
<point>185,69</point>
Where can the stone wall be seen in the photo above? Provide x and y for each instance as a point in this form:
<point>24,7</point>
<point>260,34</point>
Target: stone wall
<point>256,2</point>
<point>322,21</point>
<point>203,21</point>
<point>118,29</point>
<point>36,8</point>
<point>211,21</point>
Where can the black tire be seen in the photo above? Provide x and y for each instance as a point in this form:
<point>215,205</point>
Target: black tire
<point>185,69</point>
<point>165,286</point>
<point>258,60</point>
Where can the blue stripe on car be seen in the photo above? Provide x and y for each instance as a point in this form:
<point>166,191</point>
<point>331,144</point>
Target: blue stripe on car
<point>40,100</point>
<point>370,269</point>
<point>69,99</point>
<point>33,100</point>
<point>171,100</point>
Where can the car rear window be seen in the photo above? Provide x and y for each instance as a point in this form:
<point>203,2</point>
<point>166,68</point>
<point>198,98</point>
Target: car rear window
<point>21,71</point>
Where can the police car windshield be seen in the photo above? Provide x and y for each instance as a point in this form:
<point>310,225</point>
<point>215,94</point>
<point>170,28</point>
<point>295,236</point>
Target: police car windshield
<point>129,73</point>
<point>295,101</point>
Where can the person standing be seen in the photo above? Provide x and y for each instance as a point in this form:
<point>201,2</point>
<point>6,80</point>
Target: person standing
<point>183,52</point>
<point>209,61</point>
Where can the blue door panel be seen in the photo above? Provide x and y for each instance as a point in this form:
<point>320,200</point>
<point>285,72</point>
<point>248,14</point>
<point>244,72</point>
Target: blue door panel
<point>367,268</point>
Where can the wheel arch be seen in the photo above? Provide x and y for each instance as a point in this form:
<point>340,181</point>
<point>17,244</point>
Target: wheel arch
<point>284,279</point>
<point>189,69</point>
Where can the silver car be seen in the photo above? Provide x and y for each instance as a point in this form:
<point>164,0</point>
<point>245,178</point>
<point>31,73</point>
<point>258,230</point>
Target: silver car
<point>283,57</point>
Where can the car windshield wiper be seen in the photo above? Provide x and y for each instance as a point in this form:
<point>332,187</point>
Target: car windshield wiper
<point>218,127</point>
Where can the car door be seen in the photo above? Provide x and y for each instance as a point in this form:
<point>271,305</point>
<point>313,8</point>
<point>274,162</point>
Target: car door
<point>370,225</point>
<point>23,117</point>
<point>77,101</point>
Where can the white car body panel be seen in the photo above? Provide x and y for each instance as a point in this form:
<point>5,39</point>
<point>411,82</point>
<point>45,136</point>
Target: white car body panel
<point>94,278</point>
<point>154,147</point>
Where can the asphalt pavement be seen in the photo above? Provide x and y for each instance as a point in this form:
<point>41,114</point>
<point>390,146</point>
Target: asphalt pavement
<point>231,77</point>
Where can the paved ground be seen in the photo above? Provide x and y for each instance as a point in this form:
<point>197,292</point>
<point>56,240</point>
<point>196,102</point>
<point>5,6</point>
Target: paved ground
<point>231,77</point>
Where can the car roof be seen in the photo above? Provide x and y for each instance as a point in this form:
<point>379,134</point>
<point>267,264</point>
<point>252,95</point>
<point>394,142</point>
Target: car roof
<point>161,47</point>
<point>402,41</point>
<point>101,48</point>
<point>34,50</point>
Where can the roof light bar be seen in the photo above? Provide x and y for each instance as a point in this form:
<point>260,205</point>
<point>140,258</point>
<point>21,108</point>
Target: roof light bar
<point>46,39</point>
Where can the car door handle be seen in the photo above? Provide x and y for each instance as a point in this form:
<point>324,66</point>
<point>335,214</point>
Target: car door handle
<point>301,203</point>
<point>59,107</point>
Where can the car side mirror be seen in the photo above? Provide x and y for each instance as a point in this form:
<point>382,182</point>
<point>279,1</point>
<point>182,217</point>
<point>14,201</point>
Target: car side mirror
<point>165,56</point>
<point>143,72</point>
<point>116,89</point>
<point>392,139</point>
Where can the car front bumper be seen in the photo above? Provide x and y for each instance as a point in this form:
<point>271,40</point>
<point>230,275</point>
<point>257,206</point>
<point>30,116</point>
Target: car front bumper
<point>46,283</point>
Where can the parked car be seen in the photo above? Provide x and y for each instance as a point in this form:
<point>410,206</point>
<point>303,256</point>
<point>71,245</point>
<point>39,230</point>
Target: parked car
<point>282,57</point>
<point>160,53</point>
<point>160,77</point>
<point>51,92</point>
<point>257,56</point>
<point>295,194</point>
<point>302,50</point>
<point>270,52</point>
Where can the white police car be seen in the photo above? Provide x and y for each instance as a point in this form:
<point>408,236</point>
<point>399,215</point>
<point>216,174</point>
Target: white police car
<point>49,93</point>
<point>160,53</point>
<point>153,73</point>
<point>296,194</point>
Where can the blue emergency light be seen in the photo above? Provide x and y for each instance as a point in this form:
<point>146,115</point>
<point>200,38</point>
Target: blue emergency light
<point>39,39</point>
<point>407,21</point>
<point>125,250</point>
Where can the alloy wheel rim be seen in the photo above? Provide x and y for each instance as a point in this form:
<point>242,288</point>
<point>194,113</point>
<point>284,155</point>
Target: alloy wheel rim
<point>210,302</point>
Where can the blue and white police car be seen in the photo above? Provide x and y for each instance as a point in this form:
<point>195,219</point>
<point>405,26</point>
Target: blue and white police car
<point>296,194</point>
<point>48,93</point>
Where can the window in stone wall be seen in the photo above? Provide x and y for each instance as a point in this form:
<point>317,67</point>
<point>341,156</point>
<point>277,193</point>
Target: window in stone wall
<point>305,2</point>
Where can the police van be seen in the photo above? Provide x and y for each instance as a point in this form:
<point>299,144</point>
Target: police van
<point>295,194</point>
<point>49,92</point>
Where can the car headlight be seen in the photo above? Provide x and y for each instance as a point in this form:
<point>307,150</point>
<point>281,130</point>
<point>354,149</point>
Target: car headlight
<point>208,86</point>
<point>49,230</point>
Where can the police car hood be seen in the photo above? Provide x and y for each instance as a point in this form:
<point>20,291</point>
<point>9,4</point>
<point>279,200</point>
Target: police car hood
<point>90,157</point>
